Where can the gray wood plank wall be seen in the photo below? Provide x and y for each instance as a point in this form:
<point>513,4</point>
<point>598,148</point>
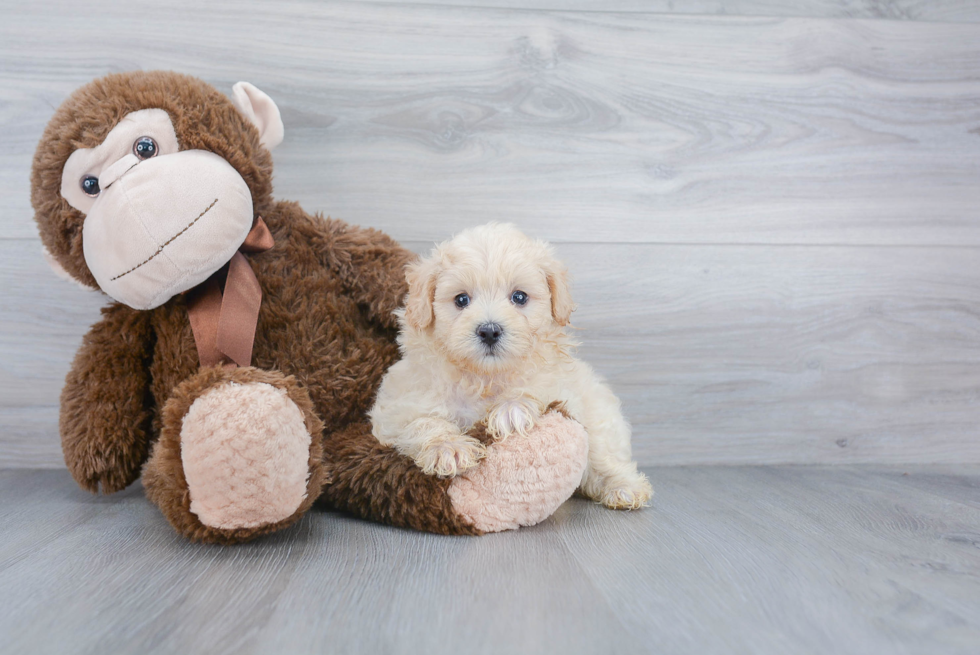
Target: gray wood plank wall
<point>920,10</point>
<point>770,210</point>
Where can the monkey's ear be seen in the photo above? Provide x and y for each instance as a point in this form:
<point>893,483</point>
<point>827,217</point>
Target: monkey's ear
<point>59,270</point>
<point>261,111</point>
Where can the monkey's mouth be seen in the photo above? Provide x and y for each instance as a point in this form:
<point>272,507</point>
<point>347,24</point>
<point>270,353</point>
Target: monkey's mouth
<point>167,242</point>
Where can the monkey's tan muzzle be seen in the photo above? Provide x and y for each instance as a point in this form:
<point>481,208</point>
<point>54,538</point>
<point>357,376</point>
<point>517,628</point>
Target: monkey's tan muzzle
<point>164,225</point>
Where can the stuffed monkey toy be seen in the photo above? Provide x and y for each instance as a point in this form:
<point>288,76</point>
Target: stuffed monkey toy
<point>246,338</point>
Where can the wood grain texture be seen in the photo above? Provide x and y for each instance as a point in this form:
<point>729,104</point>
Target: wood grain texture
<point>772,221</point>
<point>29,437</point>
<point>591,126</point>
<point>915,10</point>
<point>747,354</point>
<point>728,560</point>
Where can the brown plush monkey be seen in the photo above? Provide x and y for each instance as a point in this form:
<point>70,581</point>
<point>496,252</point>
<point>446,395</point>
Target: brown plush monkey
<point>247,337</point>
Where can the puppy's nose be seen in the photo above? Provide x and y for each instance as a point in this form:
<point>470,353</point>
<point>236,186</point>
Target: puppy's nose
<point>489,333</point>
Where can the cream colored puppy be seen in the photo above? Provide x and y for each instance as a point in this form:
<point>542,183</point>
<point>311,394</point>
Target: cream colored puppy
<point>483,337</point>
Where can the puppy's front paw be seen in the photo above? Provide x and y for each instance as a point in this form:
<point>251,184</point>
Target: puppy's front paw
<point>513,417</point>
<point>450,456</point>
<point>632,493</point>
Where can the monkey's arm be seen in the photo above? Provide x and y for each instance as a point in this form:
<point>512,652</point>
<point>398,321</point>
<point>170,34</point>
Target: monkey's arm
<point>105,409</point>
<point>372,267</point>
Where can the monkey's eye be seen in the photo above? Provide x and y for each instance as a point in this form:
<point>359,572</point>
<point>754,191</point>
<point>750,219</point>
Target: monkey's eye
<point>518,298</point>
<point>90,185</point>
<point>462,300</point>
<point>145,147</point>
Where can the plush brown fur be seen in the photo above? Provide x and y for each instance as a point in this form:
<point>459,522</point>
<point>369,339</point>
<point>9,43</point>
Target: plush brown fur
<point>106,427</point>
<point>325,331</point>
<point>375,482</point>
<point>163,475</point>
<point>325,323</point>
<point>203,119</point>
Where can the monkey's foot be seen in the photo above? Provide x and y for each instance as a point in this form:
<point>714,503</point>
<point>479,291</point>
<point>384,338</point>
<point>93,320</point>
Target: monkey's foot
<point>523,479</point>
<point>239,455</point>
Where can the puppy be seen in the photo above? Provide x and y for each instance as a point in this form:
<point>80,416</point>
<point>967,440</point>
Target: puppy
<point>483,338</point>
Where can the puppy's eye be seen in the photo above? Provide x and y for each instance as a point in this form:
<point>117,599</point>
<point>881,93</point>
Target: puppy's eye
<point>462,300</point>
<point>90,185</point>
<point>145,147</point>
<point>518,298</point>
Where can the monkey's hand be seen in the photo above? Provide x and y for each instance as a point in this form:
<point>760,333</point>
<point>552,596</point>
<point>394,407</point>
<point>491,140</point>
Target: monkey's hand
<point>105,418</point>
<point>370,264</point>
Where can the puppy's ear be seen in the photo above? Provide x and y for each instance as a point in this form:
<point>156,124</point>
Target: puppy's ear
<point>561,298</point>
<point>421,277</point>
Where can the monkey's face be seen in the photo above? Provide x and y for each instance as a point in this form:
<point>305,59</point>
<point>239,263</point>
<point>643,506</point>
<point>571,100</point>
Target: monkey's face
<point>157,219</point>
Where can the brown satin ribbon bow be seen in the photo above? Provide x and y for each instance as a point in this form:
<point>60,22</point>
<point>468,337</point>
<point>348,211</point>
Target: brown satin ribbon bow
<point>224,322</point>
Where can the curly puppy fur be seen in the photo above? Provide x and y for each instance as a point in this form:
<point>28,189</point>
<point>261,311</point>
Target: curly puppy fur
<point>483,339</point>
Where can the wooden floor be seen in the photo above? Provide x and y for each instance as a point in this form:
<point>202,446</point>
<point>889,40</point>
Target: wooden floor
<point>728,560</point>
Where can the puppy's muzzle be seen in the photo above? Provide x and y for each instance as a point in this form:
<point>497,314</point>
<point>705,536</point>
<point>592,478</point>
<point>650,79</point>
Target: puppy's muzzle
<point>489,334</point>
